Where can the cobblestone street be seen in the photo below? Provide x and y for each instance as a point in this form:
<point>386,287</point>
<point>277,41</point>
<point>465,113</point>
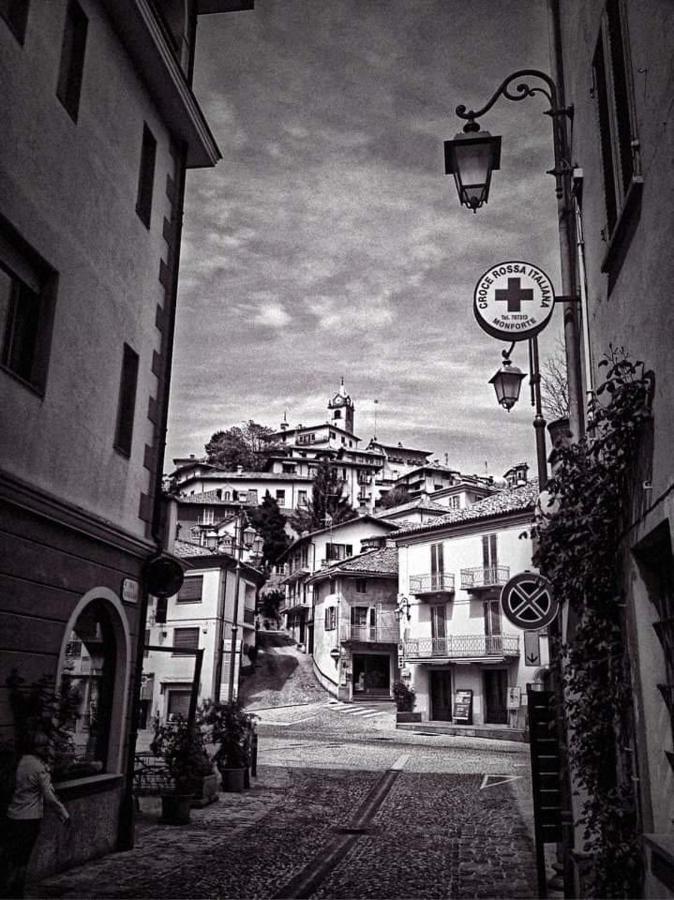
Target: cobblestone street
<point>360,816</point>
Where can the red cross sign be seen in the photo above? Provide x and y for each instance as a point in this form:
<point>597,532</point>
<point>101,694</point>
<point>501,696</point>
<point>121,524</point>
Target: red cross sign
<point>513,300</point>
<point>528,602</point>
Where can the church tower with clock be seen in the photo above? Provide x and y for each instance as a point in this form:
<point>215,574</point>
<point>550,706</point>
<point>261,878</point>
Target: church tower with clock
<point>341,410</point>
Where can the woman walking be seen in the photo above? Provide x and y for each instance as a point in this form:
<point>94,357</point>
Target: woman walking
<point>21,825</point>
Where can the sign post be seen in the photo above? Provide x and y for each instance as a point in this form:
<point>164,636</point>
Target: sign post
<point>513,300</point>
<point>463,707</point>
<point>527,601</point>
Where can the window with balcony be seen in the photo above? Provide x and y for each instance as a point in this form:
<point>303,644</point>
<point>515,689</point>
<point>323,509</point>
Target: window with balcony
<point>437,566</point>
<point>617,123</point>
<point>489,551</point>
<point>359,615</point>
<point>438,630</point>
<point>71,67</point>
<point>27,301</point>
<point>335,552</point>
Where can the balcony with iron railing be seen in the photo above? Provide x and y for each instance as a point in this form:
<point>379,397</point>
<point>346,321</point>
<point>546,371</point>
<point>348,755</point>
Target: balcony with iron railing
<point>481,578</point>
<point>463,646</point>
<point>369,634</point>
<point>434,583</point>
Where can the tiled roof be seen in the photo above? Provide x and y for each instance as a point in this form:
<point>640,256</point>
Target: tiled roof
<point>185,548</point>
<point>420,503</point>
<point>508,501</point>
<point>380,561</point>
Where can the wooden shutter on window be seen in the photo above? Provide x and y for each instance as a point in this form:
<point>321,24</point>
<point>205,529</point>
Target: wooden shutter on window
<point>185,639</point>
<point>192,589</point>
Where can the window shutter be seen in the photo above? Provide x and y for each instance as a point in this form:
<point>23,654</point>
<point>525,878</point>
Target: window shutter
<point>192,589</point>
<point>185,639</point>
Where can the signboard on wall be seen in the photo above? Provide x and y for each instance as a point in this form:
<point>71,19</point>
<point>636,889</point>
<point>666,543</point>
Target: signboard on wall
<point>514,697</point>
<point>463,707</point>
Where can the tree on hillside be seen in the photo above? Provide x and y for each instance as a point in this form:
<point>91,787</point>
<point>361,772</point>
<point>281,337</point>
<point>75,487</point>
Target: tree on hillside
<point>327,506</point>
<point>269,522</point>
<point>270,604</point>
<point>395,497</point>
<point>242,445</point>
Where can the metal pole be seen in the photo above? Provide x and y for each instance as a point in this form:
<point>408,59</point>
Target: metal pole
<point>194,694</point>
<point>539,421</point>
<point>235,626</point>
<point>220,637</point>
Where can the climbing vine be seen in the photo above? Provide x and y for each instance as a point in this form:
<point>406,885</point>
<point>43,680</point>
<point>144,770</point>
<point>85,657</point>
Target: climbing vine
<point>580,551</point>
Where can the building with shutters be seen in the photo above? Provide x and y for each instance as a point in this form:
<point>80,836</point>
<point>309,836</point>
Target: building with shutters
<point>355,638</point>
<point>455,638</point>
<point>99,127</point>
<point>199,616</point>
<point>313,551</point>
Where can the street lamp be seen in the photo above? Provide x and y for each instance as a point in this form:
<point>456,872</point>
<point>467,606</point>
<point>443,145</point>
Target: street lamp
<point>403,608</point>
<point>471,158</point>
<point>507,383</point>
<point>473,155</point>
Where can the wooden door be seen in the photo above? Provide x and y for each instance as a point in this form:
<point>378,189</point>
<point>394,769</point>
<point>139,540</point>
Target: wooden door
<point>496,696</point>
<point>441,696</point>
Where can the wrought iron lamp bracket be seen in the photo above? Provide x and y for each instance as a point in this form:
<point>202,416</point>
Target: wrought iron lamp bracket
<point>521,91</point>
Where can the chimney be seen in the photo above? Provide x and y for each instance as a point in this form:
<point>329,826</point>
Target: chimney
<point>239,469</point>
<point>390,544</point>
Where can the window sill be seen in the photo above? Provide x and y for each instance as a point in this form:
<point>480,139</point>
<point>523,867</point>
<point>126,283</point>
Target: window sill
<point>33,388</point>
<point>91,784</point>
<point>625,227</point>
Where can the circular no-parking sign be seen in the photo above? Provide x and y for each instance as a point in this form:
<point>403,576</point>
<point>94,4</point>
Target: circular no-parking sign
<point>528,602</point>
<point>513,300</point>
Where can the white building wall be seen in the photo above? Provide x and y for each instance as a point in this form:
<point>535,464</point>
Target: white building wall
<point>464,610</point>
<point>85,174</point>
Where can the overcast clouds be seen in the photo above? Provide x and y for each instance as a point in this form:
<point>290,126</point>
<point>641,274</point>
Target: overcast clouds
<point>329,242</point>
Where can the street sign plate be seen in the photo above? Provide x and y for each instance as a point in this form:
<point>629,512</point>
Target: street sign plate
<point>528,602</point>
<point>513,300</point>
<point>532,648</point>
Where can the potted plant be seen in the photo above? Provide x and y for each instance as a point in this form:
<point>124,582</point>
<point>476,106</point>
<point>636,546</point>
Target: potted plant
<point>405,699</point>
<point>181,746</point>
<point>230,729</point>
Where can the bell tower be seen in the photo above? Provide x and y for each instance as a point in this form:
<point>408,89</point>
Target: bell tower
<point>341,410</point>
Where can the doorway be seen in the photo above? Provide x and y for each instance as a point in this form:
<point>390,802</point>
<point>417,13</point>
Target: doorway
<point>496,697</point>
<point>441,696</point>
<point>371,675</point>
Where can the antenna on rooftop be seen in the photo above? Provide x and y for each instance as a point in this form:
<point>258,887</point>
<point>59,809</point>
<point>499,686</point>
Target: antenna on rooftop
<point>375,419</point>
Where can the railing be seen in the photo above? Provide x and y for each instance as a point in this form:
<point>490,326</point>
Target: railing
<point>479,578</point>
<point>249,616</point>
<point>370,634</point>
<point>459,646</point>
<point>436,582</point>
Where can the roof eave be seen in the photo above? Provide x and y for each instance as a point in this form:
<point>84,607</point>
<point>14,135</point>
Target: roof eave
<point>144,38</point>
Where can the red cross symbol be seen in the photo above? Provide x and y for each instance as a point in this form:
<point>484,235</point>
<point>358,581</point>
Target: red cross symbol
<point>514,295</point>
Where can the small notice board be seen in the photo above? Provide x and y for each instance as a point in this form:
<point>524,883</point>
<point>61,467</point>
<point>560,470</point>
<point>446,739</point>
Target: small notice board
<point>463,707</point>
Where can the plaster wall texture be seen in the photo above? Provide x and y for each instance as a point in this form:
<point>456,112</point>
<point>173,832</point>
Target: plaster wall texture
<point>464,611</point>
<point>632,307</point>
<point>637,312</point>
<point>55,171</point>
<point>169,669</point>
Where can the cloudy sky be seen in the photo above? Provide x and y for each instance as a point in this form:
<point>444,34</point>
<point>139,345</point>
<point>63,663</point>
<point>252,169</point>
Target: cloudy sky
<point>328,241</point>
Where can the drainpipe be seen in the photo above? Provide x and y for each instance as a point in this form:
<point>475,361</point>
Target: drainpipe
<point>567,240</point>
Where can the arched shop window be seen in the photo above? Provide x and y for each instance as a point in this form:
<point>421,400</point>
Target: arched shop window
<point>90,668</point>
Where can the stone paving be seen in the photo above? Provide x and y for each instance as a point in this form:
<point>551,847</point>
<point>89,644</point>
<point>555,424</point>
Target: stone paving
<point>434,835</point>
